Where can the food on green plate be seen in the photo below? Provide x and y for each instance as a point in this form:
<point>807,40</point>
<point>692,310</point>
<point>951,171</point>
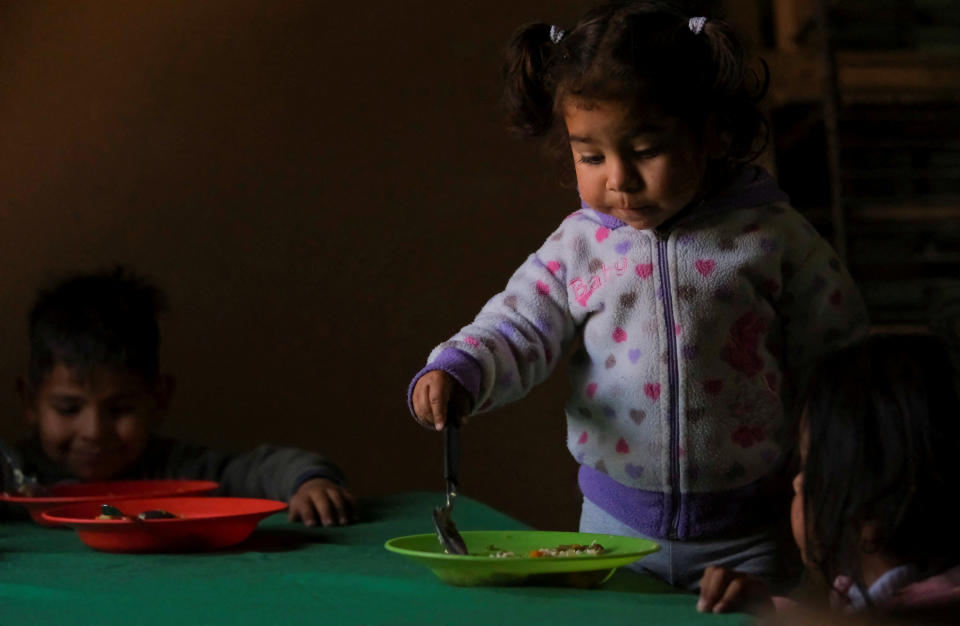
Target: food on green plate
<point>497,553</point>
<point>574,549</point>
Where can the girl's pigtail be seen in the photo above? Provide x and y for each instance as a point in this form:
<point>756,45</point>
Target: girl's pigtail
<point>527,97</point>
<point>727,55</point>
<point>738,90</point>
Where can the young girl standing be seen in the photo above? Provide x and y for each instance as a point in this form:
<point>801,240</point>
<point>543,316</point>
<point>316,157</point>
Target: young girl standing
<point>873,509</point>
<point>699,297</point>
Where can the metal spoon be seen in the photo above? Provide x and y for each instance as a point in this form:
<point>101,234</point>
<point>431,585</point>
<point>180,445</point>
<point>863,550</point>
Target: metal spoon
<point>112,511</point>
<point>15,481</point>
<point>447,532</point>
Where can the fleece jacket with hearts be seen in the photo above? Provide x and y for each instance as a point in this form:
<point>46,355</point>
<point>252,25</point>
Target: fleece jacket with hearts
<point>690,343</point>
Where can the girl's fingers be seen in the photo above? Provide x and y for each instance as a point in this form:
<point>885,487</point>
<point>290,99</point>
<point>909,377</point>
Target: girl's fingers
<point>732,596</point>
<point>439,394</point>
<point>728,590</point>
<point>711,588</point>
<point>421,403</point>
<point>432,397</point>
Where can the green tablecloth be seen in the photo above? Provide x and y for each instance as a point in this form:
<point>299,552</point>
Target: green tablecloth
<point>286,573</point>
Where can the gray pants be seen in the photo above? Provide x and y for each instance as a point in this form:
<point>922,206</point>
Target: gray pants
<point>769,553</point>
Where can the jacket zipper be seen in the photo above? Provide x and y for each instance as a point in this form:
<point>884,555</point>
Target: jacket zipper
<point>672,388</point>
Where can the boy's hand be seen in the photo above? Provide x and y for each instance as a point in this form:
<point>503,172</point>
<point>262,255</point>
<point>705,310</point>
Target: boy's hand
<point>433,395</point>
<point>319,498</point>
<point>723,590</point>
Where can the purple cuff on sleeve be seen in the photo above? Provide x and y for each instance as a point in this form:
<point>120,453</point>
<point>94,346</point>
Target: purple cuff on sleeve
<point>463,367</point>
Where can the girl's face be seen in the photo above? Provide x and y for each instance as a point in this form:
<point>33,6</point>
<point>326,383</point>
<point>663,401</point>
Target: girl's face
<point>640,168</point>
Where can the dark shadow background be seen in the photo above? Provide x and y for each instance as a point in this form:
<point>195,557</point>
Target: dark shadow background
<point>325,190</point>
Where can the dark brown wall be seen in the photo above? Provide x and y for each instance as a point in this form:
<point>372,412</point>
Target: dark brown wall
<point>324,189</point>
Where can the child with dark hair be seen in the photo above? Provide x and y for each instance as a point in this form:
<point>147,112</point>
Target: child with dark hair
<point>95,395</point>
<point>874,508</point>
<point>698,297</point>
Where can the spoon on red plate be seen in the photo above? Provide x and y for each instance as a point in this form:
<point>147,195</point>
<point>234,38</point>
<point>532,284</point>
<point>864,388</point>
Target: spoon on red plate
<point>15,480</point>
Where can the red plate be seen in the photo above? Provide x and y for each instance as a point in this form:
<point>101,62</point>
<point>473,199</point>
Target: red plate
<point>203,523</point>
<point>108,491</point>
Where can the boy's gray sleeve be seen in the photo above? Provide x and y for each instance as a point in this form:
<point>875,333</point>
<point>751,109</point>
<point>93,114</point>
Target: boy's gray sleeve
<point>265,472</point>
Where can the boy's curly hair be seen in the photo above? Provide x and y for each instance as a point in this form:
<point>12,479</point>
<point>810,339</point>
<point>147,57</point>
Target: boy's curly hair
<point>107,318</point>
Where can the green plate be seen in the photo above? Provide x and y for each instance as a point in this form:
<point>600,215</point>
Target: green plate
<point>479,568</point>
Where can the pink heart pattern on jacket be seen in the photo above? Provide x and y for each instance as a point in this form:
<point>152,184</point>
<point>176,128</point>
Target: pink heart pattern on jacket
<point>705,266</point>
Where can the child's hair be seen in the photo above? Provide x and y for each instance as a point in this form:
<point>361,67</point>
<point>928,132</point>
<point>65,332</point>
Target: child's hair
<point>883,421</point>
<point>638,52</point>
<point>107,318</point>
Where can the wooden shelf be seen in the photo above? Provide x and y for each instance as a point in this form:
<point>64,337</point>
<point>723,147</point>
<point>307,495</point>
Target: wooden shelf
<point>875,98</point>
<point>904,212</point>
<point>865,77</point>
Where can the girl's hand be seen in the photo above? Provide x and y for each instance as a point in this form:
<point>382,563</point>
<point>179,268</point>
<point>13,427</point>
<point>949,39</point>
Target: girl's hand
<point>723,590</point>
<point>323,499</point>
<point>434,394</point>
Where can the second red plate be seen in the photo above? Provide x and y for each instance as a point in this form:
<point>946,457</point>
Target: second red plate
<point>201,523</point>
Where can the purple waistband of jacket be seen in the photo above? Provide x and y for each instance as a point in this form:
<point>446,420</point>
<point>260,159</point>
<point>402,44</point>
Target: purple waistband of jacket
<point>699,516</point>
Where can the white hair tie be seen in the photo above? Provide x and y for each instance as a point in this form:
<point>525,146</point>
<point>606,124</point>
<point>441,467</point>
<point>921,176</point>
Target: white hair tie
<point>556,34</point>
<point>696,24</point>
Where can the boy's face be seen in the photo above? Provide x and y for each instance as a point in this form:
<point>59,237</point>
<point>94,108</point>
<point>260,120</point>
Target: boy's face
<point>97,427</point>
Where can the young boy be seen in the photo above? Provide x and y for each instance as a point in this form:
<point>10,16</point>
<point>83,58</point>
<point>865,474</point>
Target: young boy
<point>95,395</point>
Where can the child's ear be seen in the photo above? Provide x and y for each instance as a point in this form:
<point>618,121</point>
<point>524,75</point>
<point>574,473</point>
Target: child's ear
<point>27,397</point>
